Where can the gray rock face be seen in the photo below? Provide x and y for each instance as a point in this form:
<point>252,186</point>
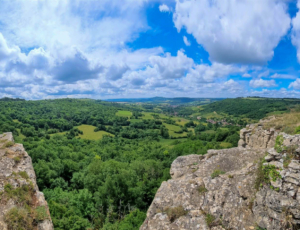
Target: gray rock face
<point>254,136</point>
<point>16,171</point>
<point>218,190</point>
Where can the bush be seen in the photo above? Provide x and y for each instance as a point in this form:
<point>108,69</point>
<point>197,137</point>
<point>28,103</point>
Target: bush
<point>40,213</point>
<point>22,195</point>
<point>216,173</point>
<point>175,213</point>
<point>8,144</point>
<point>265,173</point>
<point>278,143</point>
<point>24,175</point>
<point>18,218</point>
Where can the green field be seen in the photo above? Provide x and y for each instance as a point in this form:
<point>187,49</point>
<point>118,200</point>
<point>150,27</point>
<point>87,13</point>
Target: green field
<point>182,121</point>
<point>135,120</point>
<point>209,131</point>
<point>123,113</point>
<point>170,143</point>
<point>172,129</point>
<point>88,132</point>
<point>147,115</point>
<point>212,115</point>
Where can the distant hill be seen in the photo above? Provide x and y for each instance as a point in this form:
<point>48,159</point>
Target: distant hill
<point>254,107</point>
<point>11,99</point>
<point>161,100</point>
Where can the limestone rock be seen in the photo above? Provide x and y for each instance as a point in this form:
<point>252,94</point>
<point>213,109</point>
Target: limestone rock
<point>254,136</point>
<point>16,170</point>
<point>230,199</point>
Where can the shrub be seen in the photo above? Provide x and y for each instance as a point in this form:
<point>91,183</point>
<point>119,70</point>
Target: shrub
<point>22,195</point>
<point>216,173</point>
<point>24,175</point>
<point>175,213</point>
<point>278,143</point>
<point>8,144</point>
<point>265,173</point>
<point>18,218</point>
<point>8,188</point>
<point>40,213</point>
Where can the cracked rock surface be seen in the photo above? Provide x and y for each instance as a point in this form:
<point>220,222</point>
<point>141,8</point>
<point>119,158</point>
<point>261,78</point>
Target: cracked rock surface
<point>231,198</point>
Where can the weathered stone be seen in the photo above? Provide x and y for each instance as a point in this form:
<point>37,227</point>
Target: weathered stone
<point>273,152</point>
<point>269,158</point>
<point>277,164</point>
<point>294,165</point>
<point>9,170</point>
<point>231,198</point>
<point>184,164</point>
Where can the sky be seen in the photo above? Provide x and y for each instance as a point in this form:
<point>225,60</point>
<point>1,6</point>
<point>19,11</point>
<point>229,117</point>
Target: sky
<point>105,49</point>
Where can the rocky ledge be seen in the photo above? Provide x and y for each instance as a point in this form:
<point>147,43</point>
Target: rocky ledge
<point>253,186</point>
<point>22,205</point>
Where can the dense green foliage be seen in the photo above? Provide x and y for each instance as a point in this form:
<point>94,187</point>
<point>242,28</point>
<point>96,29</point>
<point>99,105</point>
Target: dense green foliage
<point>254,108</point>
<point>107,183</point>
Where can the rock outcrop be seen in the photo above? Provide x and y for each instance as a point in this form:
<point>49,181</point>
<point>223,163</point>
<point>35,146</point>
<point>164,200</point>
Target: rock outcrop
<point>254,136</point>
<point>22,205</point>
<point>252,186</point>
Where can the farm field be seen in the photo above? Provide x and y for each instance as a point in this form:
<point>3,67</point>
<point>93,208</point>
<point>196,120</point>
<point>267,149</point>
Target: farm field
<point>89,134</point>
<point>147,115</point>
<point>123,113</point>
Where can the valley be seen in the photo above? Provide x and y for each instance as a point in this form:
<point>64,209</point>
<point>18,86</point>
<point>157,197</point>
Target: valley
<point>100,163</point>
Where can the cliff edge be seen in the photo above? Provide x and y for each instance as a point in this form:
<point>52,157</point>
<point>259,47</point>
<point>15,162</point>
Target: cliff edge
<point>22,205</point>
<point>253,186</point>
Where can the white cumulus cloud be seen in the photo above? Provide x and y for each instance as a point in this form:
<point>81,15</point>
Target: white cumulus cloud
<point>261,83</point>
<point>295,84</point>
<point>234,31</point>
<point>164,8</point>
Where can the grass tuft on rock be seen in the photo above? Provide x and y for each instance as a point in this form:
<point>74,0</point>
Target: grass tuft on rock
<point>210,219</point>
<point>17,219</point>
<point>40,213</point>
<point>217,173</point>
<point>24,175</point>
<point>8,144</point>
<point>175,212</point>
<point>202,189</point>
<point>17,160</point>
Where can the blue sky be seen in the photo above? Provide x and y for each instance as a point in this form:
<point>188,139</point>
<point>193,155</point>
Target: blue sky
<point>144,48</point>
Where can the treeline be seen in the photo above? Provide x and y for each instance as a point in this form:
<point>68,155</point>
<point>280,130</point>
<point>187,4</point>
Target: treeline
<point>250,108</point>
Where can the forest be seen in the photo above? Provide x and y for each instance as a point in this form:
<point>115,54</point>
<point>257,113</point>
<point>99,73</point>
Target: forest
<point>100,164</point>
